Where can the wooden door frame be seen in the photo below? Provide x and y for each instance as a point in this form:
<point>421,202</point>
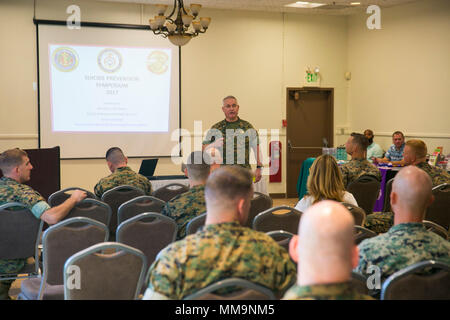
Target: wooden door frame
<point>290,93</point>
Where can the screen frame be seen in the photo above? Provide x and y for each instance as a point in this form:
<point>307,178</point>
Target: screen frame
<point>37,22</point>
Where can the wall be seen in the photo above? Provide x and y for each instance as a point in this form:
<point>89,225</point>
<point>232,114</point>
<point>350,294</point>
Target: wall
<point>401,73</point>
<point>252,55</point>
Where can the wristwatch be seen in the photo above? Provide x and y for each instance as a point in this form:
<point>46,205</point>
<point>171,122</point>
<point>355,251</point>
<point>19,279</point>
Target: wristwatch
<point>259,167</point>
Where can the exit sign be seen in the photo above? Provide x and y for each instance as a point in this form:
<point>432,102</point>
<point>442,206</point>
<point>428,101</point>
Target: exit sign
<point>312,79</point>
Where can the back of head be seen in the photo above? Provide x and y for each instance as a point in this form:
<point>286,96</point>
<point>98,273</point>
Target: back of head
<point>360,141</point>
<point>419,148</point>
<point>412,188</point>
<point>226,185</point>
<point>198,166</point>
<point>10,159</point>
<point>325,243</point>
<point>115,156</point>
<point>325,180</point>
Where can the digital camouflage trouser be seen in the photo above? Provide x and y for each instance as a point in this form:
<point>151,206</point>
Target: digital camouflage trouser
<point>379,222</point>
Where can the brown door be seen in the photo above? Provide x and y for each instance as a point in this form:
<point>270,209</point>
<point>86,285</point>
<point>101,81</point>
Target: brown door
<point>309,127</point>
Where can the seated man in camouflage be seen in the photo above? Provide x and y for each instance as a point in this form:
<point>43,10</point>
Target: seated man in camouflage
<point>408,241</point>
<point>190,204</point>
<point>415,154</point>
<point>223,248</point>
<point>356,147</point>
<point>16,168</point>
<point>121,174</point>
<point>326,254</point>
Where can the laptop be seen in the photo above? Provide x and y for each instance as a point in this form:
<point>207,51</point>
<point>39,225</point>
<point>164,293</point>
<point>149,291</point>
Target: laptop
<point>148,167</point>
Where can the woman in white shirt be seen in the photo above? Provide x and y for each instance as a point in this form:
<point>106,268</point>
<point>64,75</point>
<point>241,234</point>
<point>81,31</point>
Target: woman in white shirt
<point>324,183</point>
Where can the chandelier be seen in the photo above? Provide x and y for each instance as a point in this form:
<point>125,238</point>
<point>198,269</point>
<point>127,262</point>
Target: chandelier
<point>180,25</point>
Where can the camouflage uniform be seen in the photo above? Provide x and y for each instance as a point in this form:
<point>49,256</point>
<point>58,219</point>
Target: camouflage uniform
<point>379,222</point>
<point>438,176</point>
<point>332,291</point>
<point>242,140</point>
<point>356,168</point>
<point>217,252</point>
<point>185,207</point>
<point>123,176</point>
<point>403,245</point>
<point>13,191</point>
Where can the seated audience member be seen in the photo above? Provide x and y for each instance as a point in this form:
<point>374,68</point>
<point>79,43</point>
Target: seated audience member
<point>326,254</point>
<point>408,241</point>
<point>394,154</point>
<point>358,166</point>
<point>223,248</point>
<point>190,204</point>
<point>373,150</point>
<point>416,154</point>
<point>324,183</point>
<point>121,174</point>
<point>16,168</point>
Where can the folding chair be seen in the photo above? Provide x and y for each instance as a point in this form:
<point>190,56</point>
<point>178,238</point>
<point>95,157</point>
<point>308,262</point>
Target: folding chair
<point>281,237</point>
<point>92,274</point>
<point>362,233</point>
<point>258,204</point>
<point>93,209</point>
<point>249,291</point>
<point>139,205</point>
<point>366,190</point>
<point>20,233</point>
<point>439,211</point>
<point>358,213</point>
<point>170,191</point>
<point>58,197</point>
<point>434,227</point>
<point>60,241</point>
<point>195,224</point>
<point>270,220</point>
<point>411,283</point>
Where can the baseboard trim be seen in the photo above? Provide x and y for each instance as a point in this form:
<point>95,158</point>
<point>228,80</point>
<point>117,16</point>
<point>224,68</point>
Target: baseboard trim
<point>277,195</point>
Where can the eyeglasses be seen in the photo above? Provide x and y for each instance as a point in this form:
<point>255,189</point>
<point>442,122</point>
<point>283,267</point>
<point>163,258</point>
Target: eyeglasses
<point>228,106</point>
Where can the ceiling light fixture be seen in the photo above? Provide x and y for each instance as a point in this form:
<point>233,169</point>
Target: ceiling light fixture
<point>183,26</point>
<point>305,4</point>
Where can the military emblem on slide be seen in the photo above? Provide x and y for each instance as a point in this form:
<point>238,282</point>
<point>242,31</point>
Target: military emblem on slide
<point>65,59</point>
<point>158,62</point>
<point>109,60</point>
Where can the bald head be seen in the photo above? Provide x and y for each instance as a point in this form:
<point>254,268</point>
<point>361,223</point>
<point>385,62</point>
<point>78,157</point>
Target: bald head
<point>411,195</point>
<point>326,252</point>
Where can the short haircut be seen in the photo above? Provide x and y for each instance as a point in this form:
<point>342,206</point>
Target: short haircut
<point>369,132</point>
<point>360,140</point>
<point>419,147</point>
<point>115,155</point>
<point>229,97</point>
<point>325,180</point>
<point>198,166</point>
<point>11,158</point>
<point>398,132</point>
<point>228,183</point>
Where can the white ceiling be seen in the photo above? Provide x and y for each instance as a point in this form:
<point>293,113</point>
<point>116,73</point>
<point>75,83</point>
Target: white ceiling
<point>334,7</point>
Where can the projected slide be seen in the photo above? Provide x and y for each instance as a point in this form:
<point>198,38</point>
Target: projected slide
<point>109,89</point>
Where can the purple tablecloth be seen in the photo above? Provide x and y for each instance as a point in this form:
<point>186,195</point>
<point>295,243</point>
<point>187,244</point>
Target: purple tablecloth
<point>379,204</point>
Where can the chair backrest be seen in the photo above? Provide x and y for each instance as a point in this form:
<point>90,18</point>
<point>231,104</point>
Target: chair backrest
<point>149,232</point>
<point>20,232</point>
<point>105,276</point>
<point>63,240</point>
<point>139,205</point>
<point>439,211</point>
<point>434,227</point>
<point>278,218</point>
<point>260,202</point>
<point>250,291</point>
<point>169,191</point>
<point>358,213</point>
<point>58,197</point>
<point>359,282</point>
<point>195,224</point>
<point>115,197</point>
<point>387,196</point>
<point>366,190</point>
<point>281,237</point>
<point>362,233</point>
<point>411,283</point>
<point>93,209</point>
